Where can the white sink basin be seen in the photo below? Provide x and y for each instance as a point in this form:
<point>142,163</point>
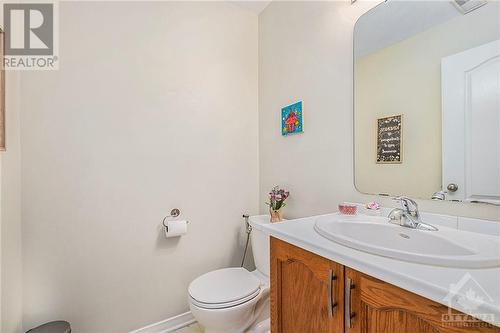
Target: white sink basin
<point>445,247</point>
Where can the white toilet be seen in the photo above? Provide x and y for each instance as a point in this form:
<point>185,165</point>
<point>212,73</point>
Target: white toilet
<point>234,300</point>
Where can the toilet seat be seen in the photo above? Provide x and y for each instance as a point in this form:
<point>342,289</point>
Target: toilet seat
<point>215,306</point>
<point>224,288</point>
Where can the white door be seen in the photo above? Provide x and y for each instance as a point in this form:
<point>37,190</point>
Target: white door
<point>471,123</point>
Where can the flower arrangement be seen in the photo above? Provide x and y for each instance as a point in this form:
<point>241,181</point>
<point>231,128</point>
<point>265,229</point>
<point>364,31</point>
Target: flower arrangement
<point>277,198</point>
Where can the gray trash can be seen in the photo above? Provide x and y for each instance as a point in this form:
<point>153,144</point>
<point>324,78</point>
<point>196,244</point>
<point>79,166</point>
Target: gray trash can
<point>59,326</point>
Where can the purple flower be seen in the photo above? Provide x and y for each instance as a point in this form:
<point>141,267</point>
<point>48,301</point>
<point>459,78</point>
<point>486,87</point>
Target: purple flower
<point>277,198</point>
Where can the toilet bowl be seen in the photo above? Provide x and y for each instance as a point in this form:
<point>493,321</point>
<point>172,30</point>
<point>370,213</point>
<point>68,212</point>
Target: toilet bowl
<point>231,300</point>
<point>228,300</point>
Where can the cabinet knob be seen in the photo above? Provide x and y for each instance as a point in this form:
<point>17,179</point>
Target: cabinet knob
<point>452,187</point>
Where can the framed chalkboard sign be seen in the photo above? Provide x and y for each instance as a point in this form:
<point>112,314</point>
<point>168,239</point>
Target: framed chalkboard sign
<point>390,140</point>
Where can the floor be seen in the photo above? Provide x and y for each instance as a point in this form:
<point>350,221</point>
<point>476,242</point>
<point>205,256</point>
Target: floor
<point>193,328</point>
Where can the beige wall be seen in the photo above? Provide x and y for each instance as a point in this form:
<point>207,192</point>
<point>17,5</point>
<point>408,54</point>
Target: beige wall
<point>305,52</point>
<point>154,107</point>
<point>10,214</point>
<point>405,78</point>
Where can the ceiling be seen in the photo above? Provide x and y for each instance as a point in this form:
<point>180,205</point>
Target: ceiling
<point>394,21</point>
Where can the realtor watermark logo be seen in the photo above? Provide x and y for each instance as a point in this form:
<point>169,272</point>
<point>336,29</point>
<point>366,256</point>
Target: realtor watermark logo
<point>31,35</point>
<point>467,294</point>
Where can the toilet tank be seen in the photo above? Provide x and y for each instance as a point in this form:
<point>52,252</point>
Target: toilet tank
<point>260,243</point>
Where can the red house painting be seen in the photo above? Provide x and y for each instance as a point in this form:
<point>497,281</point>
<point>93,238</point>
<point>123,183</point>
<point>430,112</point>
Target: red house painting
<point>291,119</point>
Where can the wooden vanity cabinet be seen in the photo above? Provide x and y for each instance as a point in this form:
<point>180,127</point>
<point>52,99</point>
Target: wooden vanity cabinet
<point>306,291</point>
<point>379,307</point>
<point>300,300</point>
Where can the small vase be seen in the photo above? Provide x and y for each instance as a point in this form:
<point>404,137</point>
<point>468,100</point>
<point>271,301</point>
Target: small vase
<point>276,215</point>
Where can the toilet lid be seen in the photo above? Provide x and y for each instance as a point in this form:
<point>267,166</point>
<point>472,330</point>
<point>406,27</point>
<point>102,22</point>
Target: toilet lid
<point>224,286</point>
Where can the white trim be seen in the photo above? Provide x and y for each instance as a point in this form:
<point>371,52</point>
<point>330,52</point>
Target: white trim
<point>168,325</point>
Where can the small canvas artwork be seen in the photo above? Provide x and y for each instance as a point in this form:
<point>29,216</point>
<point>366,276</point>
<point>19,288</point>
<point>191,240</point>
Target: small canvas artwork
<point>291,119</point>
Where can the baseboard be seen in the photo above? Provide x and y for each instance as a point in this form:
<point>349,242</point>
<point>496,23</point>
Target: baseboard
<point>168,325</point>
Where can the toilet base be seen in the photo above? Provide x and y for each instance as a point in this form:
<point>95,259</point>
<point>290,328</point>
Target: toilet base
<point>262,323</point>
<point>261,327</point>
<point>232,320</point>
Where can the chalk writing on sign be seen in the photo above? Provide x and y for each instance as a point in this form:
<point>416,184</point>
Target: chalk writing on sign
<point>389,139</point>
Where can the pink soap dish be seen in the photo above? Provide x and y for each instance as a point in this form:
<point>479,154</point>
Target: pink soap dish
<point>348,209</point>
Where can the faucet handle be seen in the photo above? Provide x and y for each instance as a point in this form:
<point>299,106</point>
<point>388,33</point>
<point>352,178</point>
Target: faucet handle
<point>407,203</point>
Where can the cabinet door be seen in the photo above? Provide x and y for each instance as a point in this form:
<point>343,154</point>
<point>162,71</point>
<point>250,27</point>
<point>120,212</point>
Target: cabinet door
<point>306,291</point>
<point>379,307</point>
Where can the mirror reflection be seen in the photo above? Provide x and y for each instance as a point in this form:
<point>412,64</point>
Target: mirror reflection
<point>427,100</point>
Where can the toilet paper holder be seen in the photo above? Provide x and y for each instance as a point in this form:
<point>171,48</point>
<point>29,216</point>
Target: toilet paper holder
<point>173,213</point>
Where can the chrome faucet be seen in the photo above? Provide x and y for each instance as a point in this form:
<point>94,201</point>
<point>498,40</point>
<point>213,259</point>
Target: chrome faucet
<point>408,216</point>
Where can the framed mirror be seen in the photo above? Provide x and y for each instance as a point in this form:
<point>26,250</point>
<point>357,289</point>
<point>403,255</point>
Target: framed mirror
<point>427,100</point>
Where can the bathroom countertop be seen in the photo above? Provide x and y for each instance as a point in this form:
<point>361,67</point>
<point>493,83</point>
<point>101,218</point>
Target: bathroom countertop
<point>432,282</point>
